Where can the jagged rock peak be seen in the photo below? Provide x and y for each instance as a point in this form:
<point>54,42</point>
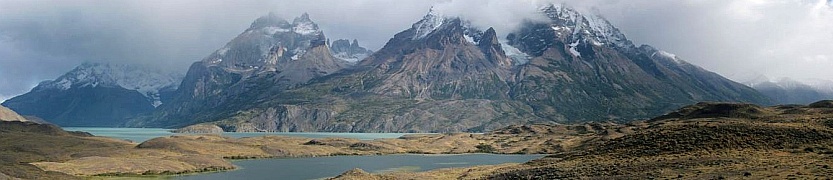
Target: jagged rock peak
<point>348,51</point>
<point>303,25</point>
<point>489,38</point>
<point>584,26</point>
<point>270,20</point>
<point>272,23</point>
<point>451,27</point>
<point>429,23</point>
<point>303,18</point>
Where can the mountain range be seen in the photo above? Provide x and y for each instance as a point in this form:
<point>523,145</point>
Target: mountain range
<point>442,74</point>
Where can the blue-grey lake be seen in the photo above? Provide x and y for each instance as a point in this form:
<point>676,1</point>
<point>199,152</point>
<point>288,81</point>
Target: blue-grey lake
<point>317,167</point>
<point>323,167</point>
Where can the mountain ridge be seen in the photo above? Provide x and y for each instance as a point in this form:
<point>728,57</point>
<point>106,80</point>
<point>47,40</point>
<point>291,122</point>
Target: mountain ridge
<point>444,75</point>
<point>441,74</point>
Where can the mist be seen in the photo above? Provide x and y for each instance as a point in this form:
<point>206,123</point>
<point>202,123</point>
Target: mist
<point>40,40</point>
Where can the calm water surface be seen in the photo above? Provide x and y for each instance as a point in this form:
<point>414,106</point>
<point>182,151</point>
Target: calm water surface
<point>143,134</point>
<point>323,167</point>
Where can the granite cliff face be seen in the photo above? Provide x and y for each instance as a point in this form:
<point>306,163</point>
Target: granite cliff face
<point>348,51</point>
<point>272,55</point>
<point>445,75</point>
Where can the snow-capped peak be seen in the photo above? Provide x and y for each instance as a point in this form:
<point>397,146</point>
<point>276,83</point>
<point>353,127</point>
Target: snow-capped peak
<point>271,20</point>
<point>585,26</point>
<point>429,23</point>
<point>272,38</point>
<point>304,26</point>
<point>272,24</point>
<point>145,80</point>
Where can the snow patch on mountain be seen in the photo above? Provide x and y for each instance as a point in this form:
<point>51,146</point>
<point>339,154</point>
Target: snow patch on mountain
<point>272,30</point>
<point>350,58</point>
<point>668,55</point>
<point>305,28</point>
<point>516,54</point>
<point>298,53</point>
<point>469,39</point>
<point>144,80</point>
<point>223,51</point>
<point>584,26</point>
<point>431,22</point>
<point>573,50</point>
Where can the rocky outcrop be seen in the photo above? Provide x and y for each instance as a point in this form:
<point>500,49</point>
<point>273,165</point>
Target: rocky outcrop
<point>201,129</point>
<point>352,52</point>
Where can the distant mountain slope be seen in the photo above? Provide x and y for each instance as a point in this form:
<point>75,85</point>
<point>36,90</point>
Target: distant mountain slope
<point>444,75</point>
<point>96,94</point>
<point>583,69</point>
<point>789,91</point>
<point>348,51</point>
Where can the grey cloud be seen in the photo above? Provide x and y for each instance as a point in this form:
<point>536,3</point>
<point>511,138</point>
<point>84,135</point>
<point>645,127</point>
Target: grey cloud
<point>780,38</point>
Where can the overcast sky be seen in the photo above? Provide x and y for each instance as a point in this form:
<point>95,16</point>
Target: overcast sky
<point>41,40</point>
